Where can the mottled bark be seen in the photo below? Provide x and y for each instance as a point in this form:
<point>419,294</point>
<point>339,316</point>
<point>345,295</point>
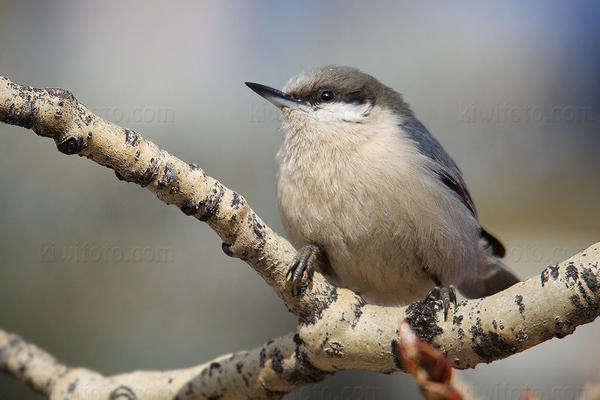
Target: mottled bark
<point>265,372</point>
<point>336,329</point>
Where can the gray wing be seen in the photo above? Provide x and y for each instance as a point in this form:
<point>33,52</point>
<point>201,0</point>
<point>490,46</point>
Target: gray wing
<point>448,172</point>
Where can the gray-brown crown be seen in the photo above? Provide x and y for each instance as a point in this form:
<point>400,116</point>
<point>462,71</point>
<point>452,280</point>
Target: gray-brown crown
<point>348,85</point>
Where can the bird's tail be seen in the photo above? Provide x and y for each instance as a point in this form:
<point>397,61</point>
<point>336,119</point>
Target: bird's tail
<point>493,275</point>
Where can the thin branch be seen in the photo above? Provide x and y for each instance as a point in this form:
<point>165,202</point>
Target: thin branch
<point>336,330</point>
<point>265,372</point>
<point>29,363</point>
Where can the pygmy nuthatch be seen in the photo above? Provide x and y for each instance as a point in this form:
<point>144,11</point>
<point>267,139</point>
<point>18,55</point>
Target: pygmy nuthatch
<point>372,199</point>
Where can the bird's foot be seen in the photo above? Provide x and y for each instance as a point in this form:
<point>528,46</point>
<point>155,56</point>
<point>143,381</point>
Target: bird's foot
<point>303,266</point>
<point>445,294</point>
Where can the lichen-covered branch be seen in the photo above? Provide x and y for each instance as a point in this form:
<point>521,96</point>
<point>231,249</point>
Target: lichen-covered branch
<point>336,330</point>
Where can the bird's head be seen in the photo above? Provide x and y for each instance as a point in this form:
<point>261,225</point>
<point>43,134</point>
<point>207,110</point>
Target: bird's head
<point>333,99</point>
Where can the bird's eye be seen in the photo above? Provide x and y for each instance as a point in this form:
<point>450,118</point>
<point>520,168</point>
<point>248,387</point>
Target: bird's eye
<point>327,95</point>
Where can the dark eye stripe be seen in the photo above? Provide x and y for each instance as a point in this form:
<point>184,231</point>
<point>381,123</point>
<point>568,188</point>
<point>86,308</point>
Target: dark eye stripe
<point>356,97</point>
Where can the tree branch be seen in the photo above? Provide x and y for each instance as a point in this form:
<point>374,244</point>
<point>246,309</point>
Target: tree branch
<point>265,372</point>
<point>336,330</point>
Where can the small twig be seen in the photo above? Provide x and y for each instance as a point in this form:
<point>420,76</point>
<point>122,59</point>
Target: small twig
<point>431,370</point>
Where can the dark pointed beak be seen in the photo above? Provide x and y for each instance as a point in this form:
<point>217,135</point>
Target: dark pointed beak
<point>277,97</point>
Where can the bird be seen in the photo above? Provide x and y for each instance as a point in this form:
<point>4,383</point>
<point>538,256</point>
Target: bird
<point>372,200</point>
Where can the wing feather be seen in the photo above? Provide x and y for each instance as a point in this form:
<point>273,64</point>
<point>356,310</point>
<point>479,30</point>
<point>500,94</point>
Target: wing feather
<point>447,171</point>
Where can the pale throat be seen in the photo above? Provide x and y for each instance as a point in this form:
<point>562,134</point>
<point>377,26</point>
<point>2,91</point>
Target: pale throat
<point>327,138</point>
<point>340,111</point>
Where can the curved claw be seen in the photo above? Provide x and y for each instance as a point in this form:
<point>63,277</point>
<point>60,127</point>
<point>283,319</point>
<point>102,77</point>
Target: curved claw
<point>445,294</point>
<point>303,267</point>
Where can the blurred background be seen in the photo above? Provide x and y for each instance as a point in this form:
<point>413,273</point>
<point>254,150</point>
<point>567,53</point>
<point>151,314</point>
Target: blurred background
<point>103,275</point>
